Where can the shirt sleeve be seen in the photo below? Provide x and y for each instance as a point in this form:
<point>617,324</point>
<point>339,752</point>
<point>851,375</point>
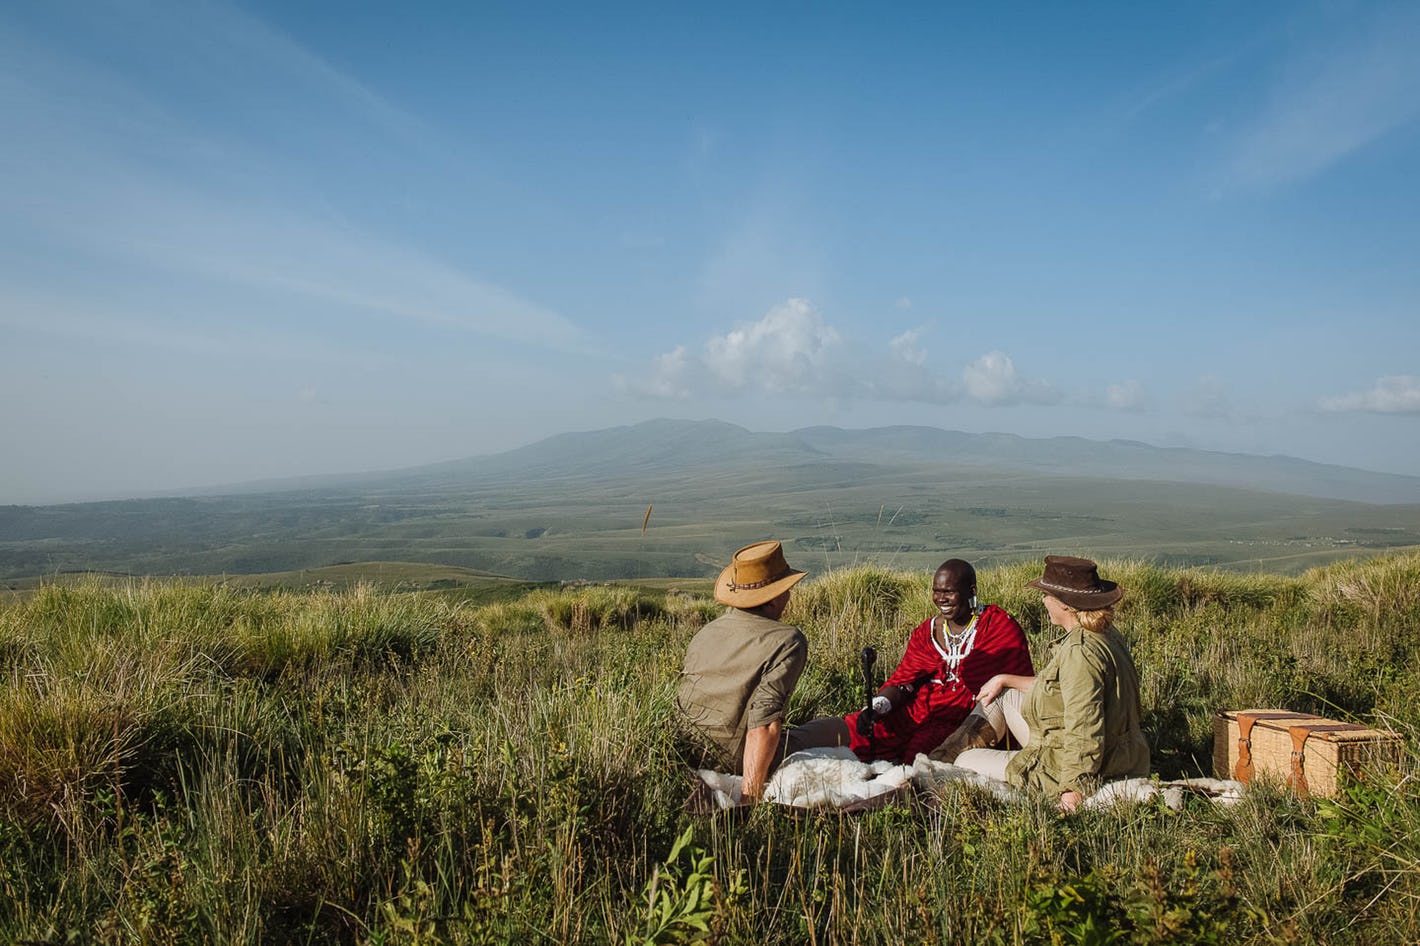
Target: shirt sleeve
<point>777,682</point>
<point>1082,693</point>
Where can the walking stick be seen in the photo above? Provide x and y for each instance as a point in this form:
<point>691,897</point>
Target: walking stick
<point>867,657</point>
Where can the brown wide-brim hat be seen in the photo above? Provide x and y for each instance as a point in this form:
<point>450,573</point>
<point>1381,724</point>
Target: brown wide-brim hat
<point>757,574</point>
<point>1077,583</point>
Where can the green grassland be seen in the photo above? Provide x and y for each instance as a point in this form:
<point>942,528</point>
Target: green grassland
<point>589,526</point>
<point>186,761</point>
<point>456,584</point>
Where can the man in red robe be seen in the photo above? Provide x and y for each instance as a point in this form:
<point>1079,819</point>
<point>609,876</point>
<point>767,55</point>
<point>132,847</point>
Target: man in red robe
<point>949,657</point>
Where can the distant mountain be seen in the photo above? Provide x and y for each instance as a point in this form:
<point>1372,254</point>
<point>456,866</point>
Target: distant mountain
<point>652,447</point>
<point>573,506</point>
<point>666,446</point>
<point>661,447</point>
<point>1114,459</point>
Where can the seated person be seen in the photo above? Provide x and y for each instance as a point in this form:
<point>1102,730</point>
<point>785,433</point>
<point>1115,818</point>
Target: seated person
<point>741,668</point>
<point>1078,721</point>
<point>924,702</point>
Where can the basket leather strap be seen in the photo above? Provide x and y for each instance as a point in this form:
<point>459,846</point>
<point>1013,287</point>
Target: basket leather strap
<point>1242,771</point>
<point>1300,734</point>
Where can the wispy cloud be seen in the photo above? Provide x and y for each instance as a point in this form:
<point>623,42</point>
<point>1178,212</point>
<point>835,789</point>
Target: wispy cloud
<point>117,325</point>
<point>251,38</point>
<point>793,350</point>
<point>102,169</point>
<point>1335,100</point>
<point>1393,394</point>
<point>1176,85</point>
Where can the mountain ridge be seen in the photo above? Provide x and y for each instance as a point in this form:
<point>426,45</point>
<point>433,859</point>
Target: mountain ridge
<point>574,506</point>
<point>665,445</point>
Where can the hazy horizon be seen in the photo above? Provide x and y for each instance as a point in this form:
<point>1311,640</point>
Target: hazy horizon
<point>245,240</point>
<point>281,483</point>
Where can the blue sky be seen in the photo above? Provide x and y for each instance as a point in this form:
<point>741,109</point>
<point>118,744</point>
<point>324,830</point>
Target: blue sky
<point>242,240</point>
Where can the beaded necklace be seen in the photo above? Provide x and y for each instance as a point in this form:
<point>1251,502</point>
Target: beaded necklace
<point>958,643</point>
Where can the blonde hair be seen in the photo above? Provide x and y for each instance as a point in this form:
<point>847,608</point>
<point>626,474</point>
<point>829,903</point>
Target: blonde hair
<point>1097,621</point>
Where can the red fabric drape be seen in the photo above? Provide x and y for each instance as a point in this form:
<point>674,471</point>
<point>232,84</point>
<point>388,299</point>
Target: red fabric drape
<point>938,708</point>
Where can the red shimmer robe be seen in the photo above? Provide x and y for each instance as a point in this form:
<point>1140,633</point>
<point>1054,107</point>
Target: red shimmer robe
<point>938,707</point>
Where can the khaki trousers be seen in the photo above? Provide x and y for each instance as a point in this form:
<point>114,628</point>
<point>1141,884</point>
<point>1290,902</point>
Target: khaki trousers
<point>1004,713</point>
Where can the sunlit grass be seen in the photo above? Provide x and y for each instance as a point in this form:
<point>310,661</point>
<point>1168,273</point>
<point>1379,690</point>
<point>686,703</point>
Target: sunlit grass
<point>202,763</point>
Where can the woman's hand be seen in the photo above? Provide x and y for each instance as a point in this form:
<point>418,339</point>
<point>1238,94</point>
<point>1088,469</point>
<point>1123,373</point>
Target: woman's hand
<point>991,689</point>
<point>1069,801</point>
<point>1000,683</point>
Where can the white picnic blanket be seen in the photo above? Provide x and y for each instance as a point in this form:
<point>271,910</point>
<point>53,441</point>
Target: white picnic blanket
<point>1218,790</point>
<point>834,778</point>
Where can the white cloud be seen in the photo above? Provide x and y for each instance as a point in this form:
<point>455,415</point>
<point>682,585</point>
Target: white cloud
<point>1126,396</point>
<point>1336,100</point>
<point>906,347</point>
<point>1394,394</point>
<point>669,376</point>
<point>792,350</point>
<point>992,380</point>
<point>786,350</point>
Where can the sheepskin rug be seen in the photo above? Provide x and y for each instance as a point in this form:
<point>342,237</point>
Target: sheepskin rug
<point>834,778</point>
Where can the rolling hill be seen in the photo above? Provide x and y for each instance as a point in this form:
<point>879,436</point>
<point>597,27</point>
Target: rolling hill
<point>571,506</point>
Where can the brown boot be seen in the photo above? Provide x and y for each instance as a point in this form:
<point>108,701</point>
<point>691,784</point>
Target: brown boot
<point>975,732</point>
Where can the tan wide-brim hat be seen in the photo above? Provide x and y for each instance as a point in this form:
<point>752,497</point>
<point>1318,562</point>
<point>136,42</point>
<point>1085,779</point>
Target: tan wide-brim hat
<point>758,573</point>
<point>1077,583</point>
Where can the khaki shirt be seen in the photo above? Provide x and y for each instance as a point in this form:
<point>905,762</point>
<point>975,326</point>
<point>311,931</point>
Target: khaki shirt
<point>740,670</point>
<point>1083,712</point>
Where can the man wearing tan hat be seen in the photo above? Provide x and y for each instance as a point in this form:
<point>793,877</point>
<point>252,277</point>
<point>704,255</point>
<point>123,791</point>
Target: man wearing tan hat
<point>741,667</point>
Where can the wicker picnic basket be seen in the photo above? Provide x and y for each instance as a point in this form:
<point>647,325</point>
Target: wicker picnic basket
<point>1307,752</point>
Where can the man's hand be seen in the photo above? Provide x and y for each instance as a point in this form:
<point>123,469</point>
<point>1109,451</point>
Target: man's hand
<point>864,722</point>
<point>1069,801</point>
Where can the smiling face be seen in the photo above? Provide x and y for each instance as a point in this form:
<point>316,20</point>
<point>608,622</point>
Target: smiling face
<point>952,590</point>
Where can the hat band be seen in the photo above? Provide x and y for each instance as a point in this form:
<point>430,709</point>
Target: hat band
<point>750,586</point>
<point>1074,591</point>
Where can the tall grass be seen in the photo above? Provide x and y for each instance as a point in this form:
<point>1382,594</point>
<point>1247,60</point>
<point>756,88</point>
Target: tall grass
<point>196,763</point>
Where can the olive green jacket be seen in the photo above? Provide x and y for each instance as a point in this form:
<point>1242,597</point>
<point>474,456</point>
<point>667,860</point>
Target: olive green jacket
<point>1083,712</point>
